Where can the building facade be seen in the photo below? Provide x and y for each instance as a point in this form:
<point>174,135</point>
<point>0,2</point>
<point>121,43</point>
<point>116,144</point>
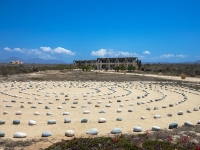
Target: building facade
<point>18,62</point>
<point>106,63</point>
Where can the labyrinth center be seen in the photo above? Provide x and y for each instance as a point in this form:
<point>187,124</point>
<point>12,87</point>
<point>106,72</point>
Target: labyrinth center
<point>78,106</point>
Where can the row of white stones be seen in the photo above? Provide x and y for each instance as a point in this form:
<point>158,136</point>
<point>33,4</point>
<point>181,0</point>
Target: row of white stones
<point>94,131</point>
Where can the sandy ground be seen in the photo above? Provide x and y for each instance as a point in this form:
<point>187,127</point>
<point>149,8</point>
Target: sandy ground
<point>78,90</point>
<point>187,79</point>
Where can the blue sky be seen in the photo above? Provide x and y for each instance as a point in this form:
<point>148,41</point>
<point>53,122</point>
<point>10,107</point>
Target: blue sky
<point>152,30</point>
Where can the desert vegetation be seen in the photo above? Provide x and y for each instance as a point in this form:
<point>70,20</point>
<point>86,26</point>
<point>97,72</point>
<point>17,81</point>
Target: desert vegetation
<point>7,69</point>
<point>191,70</point>
<point>182,138</point>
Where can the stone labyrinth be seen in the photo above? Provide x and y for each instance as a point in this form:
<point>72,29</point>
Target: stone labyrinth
<point>77,108</point>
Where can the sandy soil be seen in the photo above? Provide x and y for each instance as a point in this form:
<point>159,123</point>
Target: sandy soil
<point>178,78</point>
<point>78,90</point>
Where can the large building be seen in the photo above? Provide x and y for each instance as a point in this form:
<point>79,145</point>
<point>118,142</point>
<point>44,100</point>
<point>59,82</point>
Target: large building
<point>18,62</point>
<point>106,63</point>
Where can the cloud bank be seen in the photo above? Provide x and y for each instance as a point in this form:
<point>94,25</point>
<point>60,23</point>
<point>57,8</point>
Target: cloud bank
<point>166,55</point>
<point>58,50</point>
<point>172,55</point>
<point>42,52</point>
<point>112,53</point>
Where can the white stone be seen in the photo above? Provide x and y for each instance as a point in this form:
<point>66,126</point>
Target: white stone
<point>157,116</point>
<point>102,111</point>
<point>36,113</point>
<point>180,113</point>
<point>86,112</point>
<point>66,113</point>
<point>137,129</point>
<point>5,112</point>
<point>130,110</point>
<point>119,110</point>
<point>48,113</point>
<point>19,135</point>
<point>59,107</point>
<point>102,120</point>
<point>92,131</point>
<point>67,120</point>
<point>69,133</point>
<point>156,128</point>
<point>18,113</point>
<point>84,106</point>
<point>188,123</point>
<point>32,122</point>
<point>108,105</point>
<point>121,105</point>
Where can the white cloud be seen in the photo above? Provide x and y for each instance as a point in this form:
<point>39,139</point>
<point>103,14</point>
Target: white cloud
<point>46,56</point>
<point>46,49</point>
<point>127,54</point>
<point>7,49</point>
<point>172,55</point>
<point>112,53</point>
<point>58,50</point>
<point>99,53</point>
<point>146,53</point>
<point>34,51</point>
<point>39,54</point>
<point>181,56</point>
<point>61,50</point>
<point>18,50</point>
<point>166,56</point>
<point>43,52</point>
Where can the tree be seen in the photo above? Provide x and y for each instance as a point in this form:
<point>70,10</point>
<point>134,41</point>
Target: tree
<point>139,63</point>
<point>94,67</point>
<point>71,67</point>
<point>122,68</point>
<point>117,68</point>
<point>83,68</point>
<point>131,68</point>
<point>86,68</point>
